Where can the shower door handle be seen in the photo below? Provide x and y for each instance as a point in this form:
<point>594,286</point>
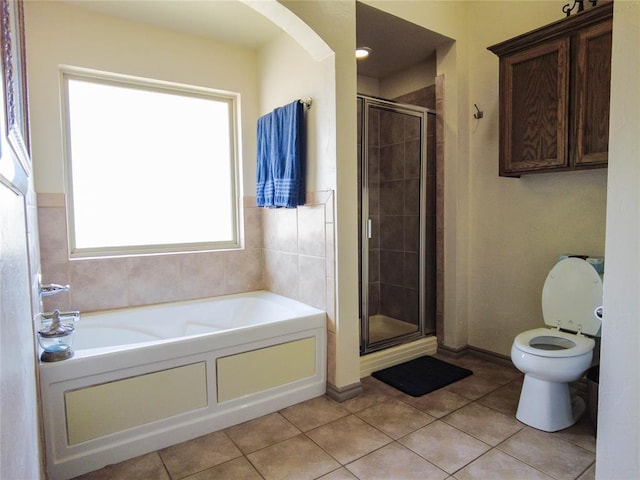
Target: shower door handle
<point>369,229</point>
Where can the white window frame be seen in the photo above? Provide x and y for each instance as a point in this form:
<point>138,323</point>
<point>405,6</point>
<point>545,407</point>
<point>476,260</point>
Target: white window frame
<point>233,99</point>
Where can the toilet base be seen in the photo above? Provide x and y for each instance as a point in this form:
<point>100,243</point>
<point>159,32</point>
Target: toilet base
<point>548,406</point>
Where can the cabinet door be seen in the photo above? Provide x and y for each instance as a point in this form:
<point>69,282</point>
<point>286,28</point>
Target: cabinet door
<point>593,85</point>
<point>534,104</point>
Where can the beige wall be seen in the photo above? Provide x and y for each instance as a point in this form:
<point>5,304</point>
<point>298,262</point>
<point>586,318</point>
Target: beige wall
<point>415,77</point>
<point>517,226</point>
<point>368,86</point>
<point>618,442</point>
<point>287,72</point>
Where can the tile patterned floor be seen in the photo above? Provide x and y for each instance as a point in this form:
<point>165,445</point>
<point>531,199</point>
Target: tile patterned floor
<point>465,431</point>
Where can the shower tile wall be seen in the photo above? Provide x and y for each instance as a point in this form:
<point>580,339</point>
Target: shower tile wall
<point>394,192</point>
<point>426,97</point>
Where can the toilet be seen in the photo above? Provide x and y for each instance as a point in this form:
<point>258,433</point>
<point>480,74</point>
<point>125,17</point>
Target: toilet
<point>553,357</point>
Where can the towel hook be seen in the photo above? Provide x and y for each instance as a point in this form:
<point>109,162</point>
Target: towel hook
<point>479,114</point>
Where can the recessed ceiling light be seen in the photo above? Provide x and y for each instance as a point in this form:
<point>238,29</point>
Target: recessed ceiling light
<point>362,52</point>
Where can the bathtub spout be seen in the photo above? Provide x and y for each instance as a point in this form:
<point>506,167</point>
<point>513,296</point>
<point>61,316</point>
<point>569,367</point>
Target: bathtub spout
<point>52,289</point>
<point>46,290</point>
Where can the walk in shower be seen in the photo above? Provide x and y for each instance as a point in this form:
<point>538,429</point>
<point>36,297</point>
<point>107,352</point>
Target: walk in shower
<point>397,228</point>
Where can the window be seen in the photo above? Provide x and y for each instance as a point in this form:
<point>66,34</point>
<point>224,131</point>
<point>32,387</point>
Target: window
<point>151,166</point>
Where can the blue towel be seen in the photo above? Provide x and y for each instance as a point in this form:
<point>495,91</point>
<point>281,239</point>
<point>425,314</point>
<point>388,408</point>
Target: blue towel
<point>281,165</point>
<point>264,177</point>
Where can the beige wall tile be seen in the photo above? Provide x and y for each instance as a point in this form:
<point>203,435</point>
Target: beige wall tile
<point>50,200</point>
<point>201,275</point>
<point>98,284</point>
<point>52,225</point>
<point>269,228</point>
<point>273,240</point>
<point>330,249</point>
<point>253,228</point>
<point>282,273</point>
<point>287,229</point>
<point>311,230</point>
<point>312,281</point>
<point>243,271</point>
<point>154,279</point>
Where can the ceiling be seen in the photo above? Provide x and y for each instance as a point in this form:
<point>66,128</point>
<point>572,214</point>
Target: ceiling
<point>396,43</point>
<point>228,21</point>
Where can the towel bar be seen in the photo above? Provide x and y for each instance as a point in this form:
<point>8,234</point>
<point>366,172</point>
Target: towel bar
<point>307,103</point>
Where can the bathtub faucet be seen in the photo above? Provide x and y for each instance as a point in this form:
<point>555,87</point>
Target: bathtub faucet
<point>52,289</point>
<point>45,290</point>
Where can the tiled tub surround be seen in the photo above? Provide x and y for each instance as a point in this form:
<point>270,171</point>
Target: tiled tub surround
<point>149,377</point>
<point>295,260</point>
<point>116,282</point>
<point>299,252</point>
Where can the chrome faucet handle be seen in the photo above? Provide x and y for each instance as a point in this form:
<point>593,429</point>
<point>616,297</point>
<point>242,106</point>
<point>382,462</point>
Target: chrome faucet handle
<point>52,289</point>
<point>70,315</point>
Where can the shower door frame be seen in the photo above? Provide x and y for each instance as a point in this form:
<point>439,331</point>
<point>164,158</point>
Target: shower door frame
<point>368,102</point>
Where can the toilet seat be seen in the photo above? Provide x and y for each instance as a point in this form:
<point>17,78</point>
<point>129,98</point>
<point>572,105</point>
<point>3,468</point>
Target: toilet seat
<point>581,344</point>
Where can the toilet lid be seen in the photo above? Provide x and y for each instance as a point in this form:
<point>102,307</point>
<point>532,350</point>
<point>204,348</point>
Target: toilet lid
<point>571,293</point>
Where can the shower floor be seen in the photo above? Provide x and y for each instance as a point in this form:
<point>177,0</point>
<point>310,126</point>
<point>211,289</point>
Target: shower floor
<point>382,327</point>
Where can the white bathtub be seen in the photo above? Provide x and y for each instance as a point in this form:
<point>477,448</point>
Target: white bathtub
<point>149,377</point>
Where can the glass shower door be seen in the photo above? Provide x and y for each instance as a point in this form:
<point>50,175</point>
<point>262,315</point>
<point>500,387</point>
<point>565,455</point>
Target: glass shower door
<point>392,204</point>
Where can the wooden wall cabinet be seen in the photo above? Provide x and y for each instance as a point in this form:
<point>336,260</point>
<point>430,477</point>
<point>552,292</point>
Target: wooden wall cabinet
<point>554,95</point>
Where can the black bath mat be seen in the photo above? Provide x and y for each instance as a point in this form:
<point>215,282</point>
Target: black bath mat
<point>421,375</point>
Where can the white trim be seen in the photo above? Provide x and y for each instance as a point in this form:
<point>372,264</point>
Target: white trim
<point>393,356</point>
